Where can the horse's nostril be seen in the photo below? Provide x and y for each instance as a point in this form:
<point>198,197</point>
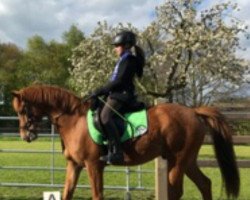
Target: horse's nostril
<point>32,136</point>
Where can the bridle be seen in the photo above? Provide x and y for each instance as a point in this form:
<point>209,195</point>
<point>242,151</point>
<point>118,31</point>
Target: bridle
<point>30,118</point>
<point>28,126</point>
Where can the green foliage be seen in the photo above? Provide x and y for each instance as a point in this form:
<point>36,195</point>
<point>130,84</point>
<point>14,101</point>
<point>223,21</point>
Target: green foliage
<point>10,56</point>
<point>241,127</point>
<point>190,54</point>
<point>194,51</point>
<point>73,37</point>
<point>93,61</point>
<point>41,62</point>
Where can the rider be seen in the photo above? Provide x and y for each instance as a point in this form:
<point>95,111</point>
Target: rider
<point>120,89</point>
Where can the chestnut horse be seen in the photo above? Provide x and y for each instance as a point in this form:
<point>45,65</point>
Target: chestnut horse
<point>175,132</point>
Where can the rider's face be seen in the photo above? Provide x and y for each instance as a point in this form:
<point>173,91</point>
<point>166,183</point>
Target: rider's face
<point>119,49</point>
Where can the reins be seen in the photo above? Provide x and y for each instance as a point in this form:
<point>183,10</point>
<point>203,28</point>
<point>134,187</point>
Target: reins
<point>118,114</point>
<point>112,108</point>
<point>88,97</point>
<point>54,120</point>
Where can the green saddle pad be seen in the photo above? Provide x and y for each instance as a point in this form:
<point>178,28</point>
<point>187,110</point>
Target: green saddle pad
<point>138,126</point>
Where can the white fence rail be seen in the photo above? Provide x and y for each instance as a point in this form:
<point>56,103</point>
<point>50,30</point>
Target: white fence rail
<point>126,171</point>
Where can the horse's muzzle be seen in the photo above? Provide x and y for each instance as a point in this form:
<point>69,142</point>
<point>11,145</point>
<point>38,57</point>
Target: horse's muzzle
<point>31,136</point>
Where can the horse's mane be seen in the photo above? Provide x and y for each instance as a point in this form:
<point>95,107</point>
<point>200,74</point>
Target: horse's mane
<point>54,97</point>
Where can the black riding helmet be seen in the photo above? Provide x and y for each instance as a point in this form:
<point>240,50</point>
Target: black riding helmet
<point>124,38</point>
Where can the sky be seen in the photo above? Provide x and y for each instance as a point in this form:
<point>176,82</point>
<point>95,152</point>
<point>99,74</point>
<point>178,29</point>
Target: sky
<point>22,19</point>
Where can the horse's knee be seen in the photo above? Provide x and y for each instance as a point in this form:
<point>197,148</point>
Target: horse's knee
<point>175,183</point>
<point>175,176</point>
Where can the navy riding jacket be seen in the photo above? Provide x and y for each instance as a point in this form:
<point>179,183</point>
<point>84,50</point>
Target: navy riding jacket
<point>121,84</point>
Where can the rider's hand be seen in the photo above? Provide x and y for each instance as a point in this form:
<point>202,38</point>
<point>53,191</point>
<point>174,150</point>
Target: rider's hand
<point>99,92</point>
<point>88,97</point>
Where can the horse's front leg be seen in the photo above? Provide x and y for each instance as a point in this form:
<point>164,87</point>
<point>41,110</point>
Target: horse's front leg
<point>175,181</point>
<point>72,174</point>
<point>95,173</point>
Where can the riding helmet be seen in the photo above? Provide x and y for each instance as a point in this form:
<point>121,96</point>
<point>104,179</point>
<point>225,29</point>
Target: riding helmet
<point>124,38</point>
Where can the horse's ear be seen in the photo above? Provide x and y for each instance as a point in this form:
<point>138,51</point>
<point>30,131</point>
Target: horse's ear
<point>16,93</point>
<point>16,102</point>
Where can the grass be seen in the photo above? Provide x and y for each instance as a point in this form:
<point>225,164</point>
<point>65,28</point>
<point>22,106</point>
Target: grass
<point>111,178</point>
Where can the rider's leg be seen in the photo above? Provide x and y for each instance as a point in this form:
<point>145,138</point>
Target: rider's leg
<point>107,115</point>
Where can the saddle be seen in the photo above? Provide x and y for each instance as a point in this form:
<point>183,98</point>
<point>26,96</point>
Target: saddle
<point>120,123</point>
<point>133,122</point>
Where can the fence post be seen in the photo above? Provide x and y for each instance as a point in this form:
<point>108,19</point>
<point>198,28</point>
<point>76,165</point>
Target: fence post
<point>161,179</point>
<point>161,187</point>
<point>52,149</point>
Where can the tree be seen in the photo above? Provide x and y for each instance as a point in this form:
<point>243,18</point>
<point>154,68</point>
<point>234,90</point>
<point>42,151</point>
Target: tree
<point>190,54</point>
<point>92,60</point>
<point>194,51</point>
<point>41,62</point>
<point>45,63</point>
<point>10,56</point>
<point>73,37</point>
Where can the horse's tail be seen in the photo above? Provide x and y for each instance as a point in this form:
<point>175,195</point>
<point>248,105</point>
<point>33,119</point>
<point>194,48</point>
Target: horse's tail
<point>222,138</point>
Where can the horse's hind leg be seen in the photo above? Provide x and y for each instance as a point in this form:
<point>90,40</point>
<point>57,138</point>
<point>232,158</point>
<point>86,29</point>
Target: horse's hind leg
<point>72,175</point>
<point>201,181</point>
<point>175,181</point>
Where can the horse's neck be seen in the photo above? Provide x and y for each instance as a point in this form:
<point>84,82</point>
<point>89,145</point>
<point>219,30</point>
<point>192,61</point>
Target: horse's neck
<point>62,117</point>
<point>55,113</point>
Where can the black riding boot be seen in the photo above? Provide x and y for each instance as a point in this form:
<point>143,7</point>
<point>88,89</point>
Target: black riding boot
<point>115,153</point>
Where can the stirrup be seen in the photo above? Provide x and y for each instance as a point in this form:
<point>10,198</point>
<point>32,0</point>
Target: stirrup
<point>106,159</point>
<point>113,158</point>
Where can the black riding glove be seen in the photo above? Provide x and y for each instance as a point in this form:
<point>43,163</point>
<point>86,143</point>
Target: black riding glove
<point>99,92</point>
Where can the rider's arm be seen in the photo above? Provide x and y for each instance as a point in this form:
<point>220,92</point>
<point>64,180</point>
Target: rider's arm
<point>125,74</point>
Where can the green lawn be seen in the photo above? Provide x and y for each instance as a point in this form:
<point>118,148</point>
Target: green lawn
<point>111,178</point>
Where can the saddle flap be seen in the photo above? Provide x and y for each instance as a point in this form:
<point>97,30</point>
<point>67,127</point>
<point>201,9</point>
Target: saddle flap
<point>120,123</point>
<point>136,125</point>
<point>97,120</point>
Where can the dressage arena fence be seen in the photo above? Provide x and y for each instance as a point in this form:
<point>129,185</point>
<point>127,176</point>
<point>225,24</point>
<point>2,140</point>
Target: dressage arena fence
<point>52,136</point>
<point>49,134</point>
<point>237,139</point>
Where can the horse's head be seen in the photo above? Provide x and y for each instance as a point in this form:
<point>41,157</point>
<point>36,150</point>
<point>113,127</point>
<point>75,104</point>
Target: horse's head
<point>34,102</point>
<point>29,116</point>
